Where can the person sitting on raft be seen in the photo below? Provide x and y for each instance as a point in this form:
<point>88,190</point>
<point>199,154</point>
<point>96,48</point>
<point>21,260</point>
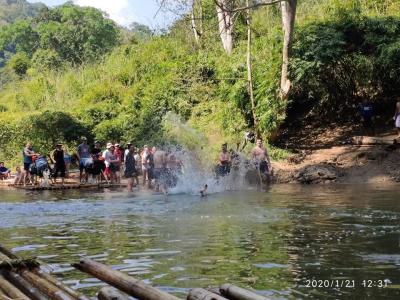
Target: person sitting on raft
<point>4,172</point>
<point>19,176</point>
<point>261,159</point>
<point>224,166</point>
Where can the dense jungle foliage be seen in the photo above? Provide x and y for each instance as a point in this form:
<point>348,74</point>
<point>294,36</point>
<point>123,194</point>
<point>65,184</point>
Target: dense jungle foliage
<point>110,88</point>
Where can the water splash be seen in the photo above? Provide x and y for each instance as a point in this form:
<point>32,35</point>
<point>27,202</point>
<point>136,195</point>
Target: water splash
<point>198,161</point>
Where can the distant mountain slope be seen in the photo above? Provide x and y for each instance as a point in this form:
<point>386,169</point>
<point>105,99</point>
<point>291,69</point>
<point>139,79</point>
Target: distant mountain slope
<point>11,10</point>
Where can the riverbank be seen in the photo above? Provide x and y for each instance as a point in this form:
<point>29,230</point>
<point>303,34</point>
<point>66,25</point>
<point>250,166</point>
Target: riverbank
<point>359,159</point>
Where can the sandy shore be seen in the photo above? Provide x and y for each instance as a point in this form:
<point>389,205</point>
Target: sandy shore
<point>362,160</point>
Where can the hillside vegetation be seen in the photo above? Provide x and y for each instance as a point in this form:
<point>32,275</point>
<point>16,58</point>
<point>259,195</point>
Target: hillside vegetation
<point>12,10</point>
<point>344,52</point>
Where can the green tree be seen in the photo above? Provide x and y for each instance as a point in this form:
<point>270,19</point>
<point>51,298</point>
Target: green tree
<point>47,59</point>
<point>77,34</point>
<point>19,63</point>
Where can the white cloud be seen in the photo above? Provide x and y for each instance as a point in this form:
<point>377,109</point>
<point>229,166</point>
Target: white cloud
<point>119,10</point>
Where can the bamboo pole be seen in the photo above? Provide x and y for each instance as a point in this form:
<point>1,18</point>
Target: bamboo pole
<point>236,293</point>
<point>45,276</point>
<point>60,285</point>
<point>23,285</point>
<point>109,293</point>
<point>202,294</point>
<point>11,290</point>
<point>4,296</point>
<point>121,281</point>
<point>46,287</point>
<point>6,252</point>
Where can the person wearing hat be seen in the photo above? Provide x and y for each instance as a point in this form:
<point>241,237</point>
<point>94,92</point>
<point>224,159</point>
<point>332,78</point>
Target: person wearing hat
<point>130,168</point>
<point>113,161</point>
<point>128,145</point>
<point>59,163</point>
<point>107,156</point>
<point>84,156</point>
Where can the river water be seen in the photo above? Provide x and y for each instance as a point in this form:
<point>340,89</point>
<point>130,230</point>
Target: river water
<point>281,242</point>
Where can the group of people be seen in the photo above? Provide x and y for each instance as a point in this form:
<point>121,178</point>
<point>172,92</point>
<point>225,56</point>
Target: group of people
<point>259,158</point>
<point>156,165</point>
<point>159,168</point>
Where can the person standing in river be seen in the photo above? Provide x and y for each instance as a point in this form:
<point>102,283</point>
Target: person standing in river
<point>224,166</point>
<point>28,155</point>
<point>59,163</point>
<point>83,153</point>
<point>145,165</point>
<point>261,159</point>
<point>160,170</point>
<point>397,119</point>
<point>130,167</point>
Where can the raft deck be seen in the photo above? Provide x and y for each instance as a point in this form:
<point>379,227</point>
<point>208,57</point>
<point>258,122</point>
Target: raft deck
<point>67,186</point>
<point>25,279</point>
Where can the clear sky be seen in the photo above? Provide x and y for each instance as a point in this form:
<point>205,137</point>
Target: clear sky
<point>125,12</point>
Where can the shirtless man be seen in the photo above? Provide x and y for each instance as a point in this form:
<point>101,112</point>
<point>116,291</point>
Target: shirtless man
<point>397,118</point>
<point>145,165</point>
<point>261,158</point>
<point>174,169</point>
<point>224,166</point>
<point>160,169</point>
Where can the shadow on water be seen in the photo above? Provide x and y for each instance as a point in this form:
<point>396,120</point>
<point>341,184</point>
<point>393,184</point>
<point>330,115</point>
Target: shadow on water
<point>273,242</point>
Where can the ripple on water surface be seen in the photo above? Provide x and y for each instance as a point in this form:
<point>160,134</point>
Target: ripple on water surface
<point>273,242</point>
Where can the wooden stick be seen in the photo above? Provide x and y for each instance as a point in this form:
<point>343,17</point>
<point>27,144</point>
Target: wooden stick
<point>46,287</point>
<point>11,290</point>
<point>236,293</point>
<point>109,293</point>
<point>4,296</point>
<point>8,253</point>
<point>59,284</point>
<point>47,277</point>
<point>202,294</point>
<point>121,281</point>
<point>27,288</point>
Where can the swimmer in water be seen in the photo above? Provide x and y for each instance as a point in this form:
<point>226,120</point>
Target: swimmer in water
<point>204,191</point>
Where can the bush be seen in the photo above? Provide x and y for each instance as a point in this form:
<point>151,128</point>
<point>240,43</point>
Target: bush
<point>19,63</point>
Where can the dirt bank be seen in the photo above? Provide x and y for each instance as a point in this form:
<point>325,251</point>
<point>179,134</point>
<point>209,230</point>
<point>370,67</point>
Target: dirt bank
<point>358,160</point>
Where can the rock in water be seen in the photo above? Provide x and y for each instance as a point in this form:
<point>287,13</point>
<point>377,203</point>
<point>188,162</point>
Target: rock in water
<point>316,174</point>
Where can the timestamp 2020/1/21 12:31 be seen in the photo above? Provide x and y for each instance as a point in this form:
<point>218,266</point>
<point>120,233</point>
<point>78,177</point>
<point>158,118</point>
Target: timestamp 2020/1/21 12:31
<point>346,283</point>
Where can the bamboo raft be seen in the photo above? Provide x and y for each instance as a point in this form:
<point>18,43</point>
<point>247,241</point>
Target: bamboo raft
<point>24,279</point>
<point>67,186</point>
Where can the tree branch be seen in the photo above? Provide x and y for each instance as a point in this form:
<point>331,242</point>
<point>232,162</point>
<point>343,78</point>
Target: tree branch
<point>253,6</point>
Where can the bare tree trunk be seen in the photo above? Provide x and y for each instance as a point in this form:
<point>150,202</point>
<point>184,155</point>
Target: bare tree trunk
<point>225,24</point>
<point>288,16</point>
<point>250,68</point>
<point>197,27</point>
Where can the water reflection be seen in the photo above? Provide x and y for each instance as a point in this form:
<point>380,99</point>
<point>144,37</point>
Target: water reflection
<point>273,242</point>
